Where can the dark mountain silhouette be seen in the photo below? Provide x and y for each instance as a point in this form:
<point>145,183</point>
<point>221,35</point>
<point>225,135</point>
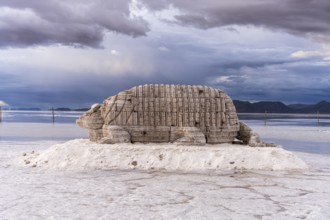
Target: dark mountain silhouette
<point>298,106</point>
<point>279,107</point>
<point>321,107</point>
<point>261,107</point>
<point>62,109</point>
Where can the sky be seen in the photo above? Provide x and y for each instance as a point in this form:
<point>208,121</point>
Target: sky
<point>79,52</point>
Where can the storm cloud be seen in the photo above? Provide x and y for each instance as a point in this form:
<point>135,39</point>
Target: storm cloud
<point>75,23</point>
<point>254,50</point>
<point>305,18</point>
<point>85,23</point>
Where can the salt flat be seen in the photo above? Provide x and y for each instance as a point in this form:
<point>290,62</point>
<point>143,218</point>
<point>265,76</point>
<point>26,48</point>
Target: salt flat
<point>34,193</point>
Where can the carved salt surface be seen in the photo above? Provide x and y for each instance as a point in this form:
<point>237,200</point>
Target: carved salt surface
<point>161,113</point>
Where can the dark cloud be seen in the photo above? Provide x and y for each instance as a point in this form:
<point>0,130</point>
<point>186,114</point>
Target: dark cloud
<point>307,18</point>
<point>84,22</point>
<point>249,64</point>
<point>76,23</point>
<point>301,81</point>
<point>289,82</point>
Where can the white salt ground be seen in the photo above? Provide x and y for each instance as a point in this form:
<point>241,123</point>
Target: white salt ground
<point>81,154</point>
<point>56,193</point>
<point>35,193</point>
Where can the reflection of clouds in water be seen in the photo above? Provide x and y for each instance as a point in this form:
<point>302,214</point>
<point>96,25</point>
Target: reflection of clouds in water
<point>286,119</point>
<point>41,116</point>
<point>40,131</point>
<point>312,138</point>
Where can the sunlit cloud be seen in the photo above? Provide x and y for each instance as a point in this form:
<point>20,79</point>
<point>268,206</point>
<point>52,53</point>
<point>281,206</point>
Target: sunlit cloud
<point>115,53</point>
<point>2,103</point>
<point>164,49</point>
<point>307,54</point>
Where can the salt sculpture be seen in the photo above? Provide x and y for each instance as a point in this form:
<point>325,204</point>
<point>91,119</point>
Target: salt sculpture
<point>184,114</point>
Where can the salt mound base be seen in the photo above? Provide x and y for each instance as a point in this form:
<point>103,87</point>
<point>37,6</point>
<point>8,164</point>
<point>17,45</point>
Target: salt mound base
<point>82,154</point>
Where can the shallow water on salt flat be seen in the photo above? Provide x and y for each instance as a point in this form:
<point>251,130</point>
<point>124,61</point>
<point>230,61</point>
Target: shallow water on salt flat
<point>18,131</point>
<point>9,116</point>
<point>272,119</point>
<point>295,132</point>
<point>296,138</point>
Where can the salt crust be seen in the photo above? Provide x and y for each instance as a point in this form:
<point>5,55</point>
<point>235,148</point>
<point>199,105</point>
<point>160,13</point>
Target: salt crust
<point>82,154</point>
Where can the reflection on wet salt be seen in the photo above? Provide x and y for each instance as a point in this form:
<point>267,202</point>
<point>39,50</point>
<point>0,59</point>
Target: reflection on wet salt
<point>297,138</point>
<point>322,120</point>
<point>40,131</point>
<point>10,116</point>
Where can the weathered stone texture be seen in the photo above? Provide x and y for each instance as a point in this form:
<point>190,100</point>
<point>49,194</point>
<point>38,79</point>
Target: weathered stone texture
<point>164,113</point>
<point>251,138</point>
<point>114,134</point>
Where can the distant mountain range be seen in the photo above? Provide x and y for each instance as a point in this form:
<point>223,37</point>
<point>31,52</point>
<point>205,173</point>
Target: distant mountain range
<point>246,107</point>
<point>279,107</point>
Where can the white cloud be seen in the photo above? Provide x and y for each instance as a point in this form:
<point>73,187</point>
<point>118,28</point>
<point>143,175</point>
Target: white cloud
<point>224,79</point>
<point>307,54</point>
<point>115,53</point>
<point>164,49</point>
<point>2,103</point>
